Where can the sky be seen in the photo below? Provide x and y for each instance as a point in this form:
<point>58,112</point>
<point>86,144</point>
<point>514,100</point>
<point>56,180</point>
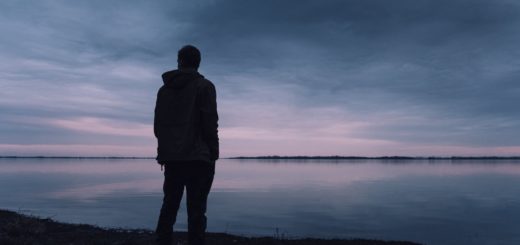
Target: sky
<point>306,77</point>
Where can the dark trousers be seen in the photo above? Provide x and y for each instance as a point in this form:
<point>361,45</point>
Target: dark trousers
<point>197,177</point>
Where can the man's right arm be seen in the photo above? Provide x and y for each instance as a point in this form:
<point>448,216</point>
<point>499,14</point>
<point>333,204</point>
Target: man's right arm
<point>209,119</point>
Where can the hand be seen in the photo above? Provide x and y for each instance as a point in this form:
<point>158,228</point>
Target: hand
<point>162,164</point>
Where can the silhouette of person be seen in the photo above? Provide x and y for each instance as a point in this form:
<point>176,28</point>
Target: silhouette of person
<point>185,125</point>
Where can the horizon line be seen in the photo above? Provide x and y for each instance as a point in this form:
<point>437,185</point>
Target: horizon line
<point>276,157</point>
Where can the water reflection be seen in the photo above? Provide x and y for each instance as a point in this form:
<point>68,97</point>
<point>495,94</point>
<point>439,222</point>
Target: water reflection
<point>436,202</point>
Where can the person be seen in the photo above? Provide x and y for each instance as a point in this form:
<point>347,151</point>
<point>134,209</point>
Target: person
<point>185,125</point>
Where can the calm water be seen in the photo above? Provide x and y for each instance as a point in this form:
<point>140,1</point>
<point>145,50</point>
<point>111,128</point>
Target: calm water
<point>434,202</point>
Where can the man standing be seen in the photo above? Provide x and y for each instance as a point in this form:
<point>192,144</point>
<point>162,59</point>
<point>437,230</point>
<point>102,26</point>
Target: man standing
<point>185,125</point>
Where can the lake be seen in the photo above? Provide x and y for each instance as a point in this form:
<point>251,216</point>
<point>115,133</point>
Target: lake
<point>438,202</point>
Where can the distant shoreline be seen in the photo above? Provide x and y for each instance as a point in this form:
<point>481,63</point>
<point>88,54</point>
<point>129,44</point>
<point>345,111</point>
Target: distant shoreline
<point>291,157</point>
<point>380,158</point>
<point>76,157</point>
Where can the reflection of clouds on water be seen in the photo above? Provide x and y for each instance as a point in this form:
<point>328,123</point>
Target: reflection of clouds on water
<point>434,202</point>
<point>81,166</point>
<point>253,174</point>
<point>135,187</point>
<point>250,175</point>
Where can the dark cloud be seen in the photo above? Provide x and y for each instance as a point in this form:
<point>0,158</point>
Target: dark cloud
<point>436,59</point>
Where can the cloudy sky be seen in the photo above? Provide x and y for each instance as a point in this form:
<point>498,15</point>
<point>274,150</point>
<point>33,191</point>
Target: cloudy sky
<point>336,77</point>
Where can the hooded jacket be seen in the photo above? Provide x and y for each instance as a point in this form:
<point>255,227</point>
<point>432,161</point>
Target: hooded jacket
<point>186,119</point>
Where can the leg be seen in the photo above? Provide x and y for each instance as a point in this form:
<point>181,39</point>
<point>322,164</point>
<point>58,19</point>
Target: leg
<point>197,188</point>
<point>173,188</point>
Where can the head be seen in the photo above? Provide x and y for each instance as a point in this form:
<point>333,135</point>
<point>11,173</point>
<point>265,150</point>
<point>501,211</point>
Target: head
<point>188,57</point>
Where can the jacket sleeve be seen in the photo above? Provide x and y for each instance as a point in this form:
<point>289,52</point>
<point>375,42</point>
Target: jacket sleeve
<point>156,121</point>
<point>156,114</point>
<point>209,120</point>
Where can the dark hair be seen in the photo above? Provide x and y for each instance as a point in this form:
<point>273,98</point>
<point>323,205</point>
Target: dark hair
<point>188,57</point>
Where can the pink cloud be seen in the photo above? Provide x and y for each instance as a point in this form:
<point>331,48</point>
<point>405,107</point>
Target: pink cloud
<point>104,126</point>
<point>77,150</point>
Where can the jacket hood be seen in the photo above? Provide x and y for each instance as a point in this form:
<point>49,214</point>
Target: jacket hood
<point>177,79</point>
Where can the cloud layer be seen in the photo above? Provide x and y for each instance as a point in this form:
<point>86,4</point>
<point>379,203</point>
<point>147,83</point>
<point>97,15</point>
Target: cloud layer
<point>413,77</point>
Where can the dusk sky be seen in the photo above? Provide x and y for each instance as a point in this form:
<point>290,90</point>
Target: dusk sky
<point>336,77</point>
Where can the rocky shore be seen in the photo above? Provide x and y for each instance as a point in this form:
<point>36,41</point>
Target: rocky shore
<point>17,228</point>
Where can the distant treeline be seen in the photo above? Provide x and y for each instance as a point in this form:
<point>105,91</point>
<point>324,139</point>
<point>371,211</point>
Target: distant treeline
<point>76,157</point>
<point>381,157</point>
<point>274,157</point>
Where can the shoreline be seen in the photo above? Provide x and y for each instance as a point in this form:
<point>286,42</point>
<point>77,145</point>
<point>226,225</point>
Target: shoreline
<point>275,157</point>
<point>18,228</point>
